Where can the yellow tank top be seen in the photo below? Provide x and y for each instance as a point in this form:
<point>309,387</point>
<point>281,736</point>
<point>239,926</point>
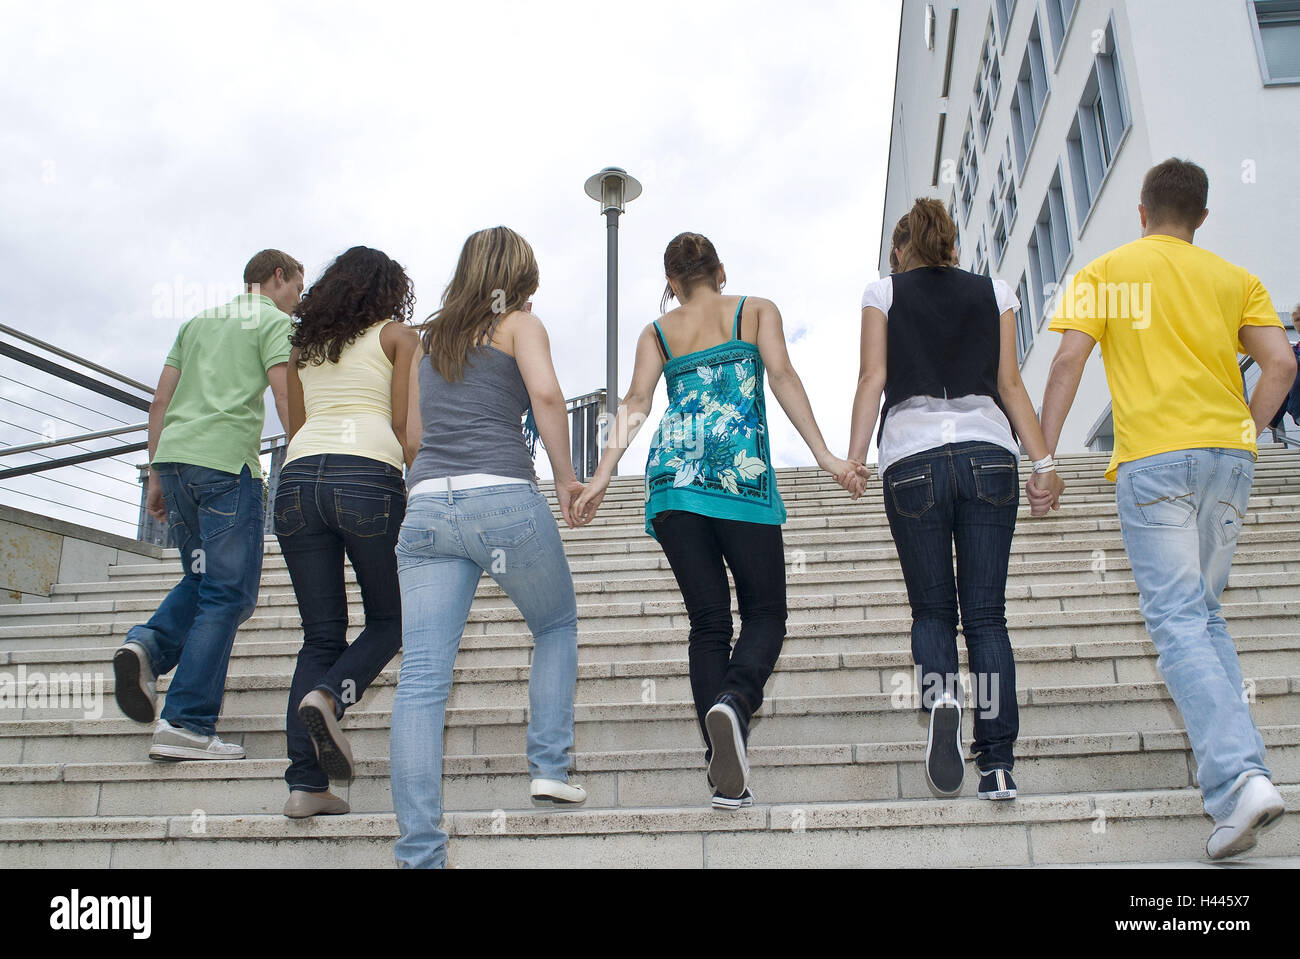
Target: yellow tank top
<point>349,404</point>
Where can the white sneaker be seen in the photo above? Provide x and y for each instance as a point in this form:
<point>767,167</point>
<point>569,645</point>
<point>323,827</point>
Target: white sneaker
<point>944,766</point>
<point>1258,804</point>
<point>552,792</point>
<point>174,742</point>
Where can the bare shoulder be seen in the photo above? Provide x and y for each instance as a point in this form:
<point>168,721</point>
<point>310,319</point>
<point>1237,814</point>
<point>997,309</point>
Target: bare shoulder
<point>398,334</point>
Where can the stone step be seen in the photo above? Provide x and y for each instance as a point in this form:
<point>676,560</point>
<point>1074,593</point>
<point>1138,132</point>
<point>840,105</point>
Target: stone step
<point>1091,827</point>
<point>488,643</point>
<point>261,684</point>
<point>601,727</point>
<point>649,778</point>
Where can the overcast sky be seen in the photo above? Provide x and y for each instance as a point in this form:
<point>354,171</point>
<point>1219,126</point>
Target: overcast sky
<point>150,148</point>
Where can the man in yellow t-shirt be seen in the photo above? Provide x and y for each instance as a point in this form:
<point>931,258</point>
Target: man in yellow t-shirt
<point>1171,318</point>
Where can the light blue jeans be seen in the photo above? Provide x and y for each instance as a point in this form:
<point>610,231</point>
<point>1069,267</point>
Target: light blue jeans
<point>1181,514</point>
<point>447,541</point>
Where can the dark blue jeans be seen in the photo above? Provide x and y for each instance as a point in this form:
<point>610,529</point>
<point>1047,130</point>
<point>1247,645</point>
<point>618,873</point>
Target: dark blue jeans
<point>215,520</point>
<point>327,506</point>
<point>696,547</point>
<point>968,494</point>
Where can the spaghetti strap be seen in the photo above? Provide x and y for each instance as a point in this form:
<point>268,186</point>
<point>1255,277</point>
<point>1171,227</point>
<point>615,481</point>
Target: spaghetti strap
<point>663,343</point>
<point>735,324</point>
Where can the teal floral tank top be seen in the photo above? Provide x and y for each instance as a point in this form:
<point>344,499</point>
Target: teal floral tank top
<point>709,454</point>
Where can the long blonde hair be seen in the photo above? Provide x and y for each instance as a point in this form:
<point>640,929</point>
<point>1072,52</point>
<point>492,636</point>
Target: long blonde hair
<point>496,275</point>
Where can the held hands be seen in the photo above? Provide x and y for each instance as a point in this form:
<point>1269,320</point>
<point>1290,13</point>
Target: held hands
<point>1044,492</point>
<point>589,500</point>
<point>850,474</point>
<point>568,492</point>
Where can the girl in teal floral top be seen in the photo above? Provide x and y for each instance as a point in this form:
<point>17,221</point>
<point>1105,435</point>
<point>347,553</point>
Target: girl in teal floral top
<point>711,495</point>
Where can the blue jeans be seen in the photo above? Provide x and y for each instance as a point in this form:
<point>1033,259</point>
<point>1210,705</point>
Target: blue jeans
<point>215,520</point>
<point>967,494</point>
<point>326,506</point>
<point>1181,514</point>
<point>446,543</point>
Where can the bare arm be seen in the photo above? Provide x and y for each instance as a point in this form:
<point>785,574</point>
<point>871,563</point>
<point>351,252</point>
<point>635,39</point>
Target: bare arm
<point>1269,347</point>
<point>278,377</point>
<point>634,408</point>
<point>414,433</point>
<point>788,388</point>
<point>297,405</point>
<point>1012,392</point>
<point>162,398</point>
<point>872,373</point>
<point>400,343</point>
<point>1063,382</point>
<point>532,351</point>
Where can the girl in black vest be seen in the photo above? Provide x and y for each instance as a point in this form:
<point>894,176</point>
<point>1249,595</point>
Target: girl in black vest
<point>940,344</point>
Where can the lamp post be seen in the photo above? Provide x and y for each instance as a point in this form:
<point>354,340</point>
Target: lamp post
<point>612,188</point>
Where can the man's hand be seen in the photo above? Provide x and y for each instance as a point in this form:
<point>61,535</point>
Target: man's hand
<point>154,503</point>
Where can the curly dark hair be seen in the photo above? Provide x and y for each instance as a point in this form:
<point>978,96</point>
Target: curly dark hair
<point>360,288</point>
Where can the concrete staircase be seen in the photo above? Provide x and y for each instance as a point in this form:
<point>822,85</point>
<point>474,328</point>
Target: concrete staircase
<point>1103,765</point>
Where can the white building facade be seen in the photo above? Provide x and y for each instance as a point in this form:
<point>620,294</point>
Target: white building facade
<point>1035,121</point>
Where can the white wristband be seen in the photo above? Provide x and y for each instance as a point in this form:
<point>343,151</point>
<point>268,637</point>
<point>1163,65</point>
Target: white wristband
<point>1045,465</point>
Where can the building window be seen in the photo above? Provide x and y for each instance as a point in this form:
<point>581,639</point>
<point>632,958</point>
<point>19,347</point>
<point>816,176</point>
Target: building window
<point>980,263</point>
<point>1002,204</point>
<point>988,83</point>
<point>1102,118</point>
<point>1277,39</point>
<point>1003,10</point>
<point>1024,322</point>
<point>968,173</point>
<point>1059,13</point>
<point>1031,93</point>
<point>1049,246</point>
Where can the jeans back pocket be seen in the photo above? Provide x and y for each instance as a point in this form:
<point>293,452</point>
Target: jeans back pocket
<point>288,510</point>
<point>912,490</point>
<point>997,481</point>
<point>1165,495</point>
<point>362,513</point>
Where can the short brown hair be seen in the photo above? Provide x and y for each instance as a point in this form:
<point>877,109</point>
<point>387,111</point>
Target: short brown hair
<point>263,266</point>
<point>1175,192</point>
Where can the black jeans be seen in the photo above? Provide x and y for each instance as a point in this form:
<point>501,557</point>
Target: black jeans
<point>696,547</point>
<point>326,506</point>
<point>967,493</point>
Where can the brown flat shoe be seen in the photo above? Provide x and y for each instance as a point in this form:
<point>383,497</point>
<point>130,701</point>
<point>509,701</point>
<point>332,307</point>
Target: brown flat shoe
<point>332,749</point>
<point>302,804</point>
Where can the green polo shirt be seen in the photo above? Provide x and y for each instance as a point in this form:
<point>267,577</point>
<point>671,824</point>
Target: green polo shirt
<point>216,416</point>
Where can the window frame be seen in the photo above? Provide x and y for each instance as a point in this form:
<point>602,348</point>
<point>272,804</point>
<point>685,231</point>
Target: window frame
<point>1253,11</point>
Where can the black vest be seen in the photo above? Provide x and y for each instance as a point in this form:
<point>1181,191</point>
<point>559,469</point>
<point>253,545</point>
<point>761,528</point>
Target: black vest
<point>944,337</point>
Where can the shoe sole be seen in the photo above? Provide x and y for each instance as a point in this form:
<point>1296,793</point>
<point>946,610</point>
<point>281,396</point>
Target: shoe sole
<point>944,766</point>
<point>1249,837</point>
<point>180,753</point>
<point>727,768</point>
<point>128,690</point>
<point>333,761</point>
<point>551,802</point>
<point>999,794</point>
<point>731,805</point>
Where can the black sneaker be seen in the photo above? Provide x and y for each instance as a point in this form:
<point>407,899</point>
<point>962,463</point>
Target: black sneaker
<point>944,766</point>
<point>729,767</point>
<point>997,784</point>
<point>731,804</point>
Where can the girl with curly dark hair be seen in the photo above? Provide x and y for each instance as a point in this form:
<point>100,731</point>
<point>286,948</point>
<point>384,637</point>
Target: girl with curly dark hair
<point>341,491</point>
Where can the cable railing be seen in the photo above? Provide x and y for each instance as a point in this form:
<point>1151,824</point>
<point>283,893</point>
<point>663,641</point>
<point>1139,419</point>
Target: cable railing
<point>100,502</point>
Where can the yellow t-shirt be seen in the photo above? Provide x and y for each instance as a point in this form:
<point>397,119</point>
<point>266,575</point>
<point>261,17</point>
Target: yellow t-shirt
<point>1167,313</point>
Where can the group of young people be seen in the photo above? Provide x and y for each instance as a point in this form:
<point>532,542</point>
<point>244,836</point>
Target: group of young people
<point>406,455</point>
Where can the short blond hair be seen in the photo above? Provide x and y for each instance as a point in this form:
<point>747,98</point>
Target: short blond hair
<point>263,266</point>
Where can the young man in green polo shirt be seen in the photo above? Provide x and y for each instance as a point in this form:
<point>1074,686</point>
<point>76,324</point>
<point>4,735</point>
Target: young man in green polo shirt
<point>205,429</point>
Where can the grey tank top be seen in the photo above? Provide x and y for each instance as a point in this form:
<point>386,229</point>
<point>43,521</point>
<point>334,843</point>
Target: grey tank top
<point>476,425</point>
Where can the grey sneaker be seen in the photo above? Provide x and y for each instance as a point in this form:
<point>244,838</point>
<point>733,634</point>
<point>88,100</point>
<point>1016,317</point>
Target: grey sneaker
<point>134,685</point>
<point>172,742</point>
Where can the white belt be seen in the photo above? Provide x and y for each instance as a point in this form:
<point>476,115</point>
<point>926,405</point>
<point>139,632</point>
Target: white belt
<point>463,481</point>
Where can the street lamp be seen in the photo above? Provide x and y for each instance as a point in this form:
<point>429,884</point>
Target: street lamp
<point>612,188</point>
